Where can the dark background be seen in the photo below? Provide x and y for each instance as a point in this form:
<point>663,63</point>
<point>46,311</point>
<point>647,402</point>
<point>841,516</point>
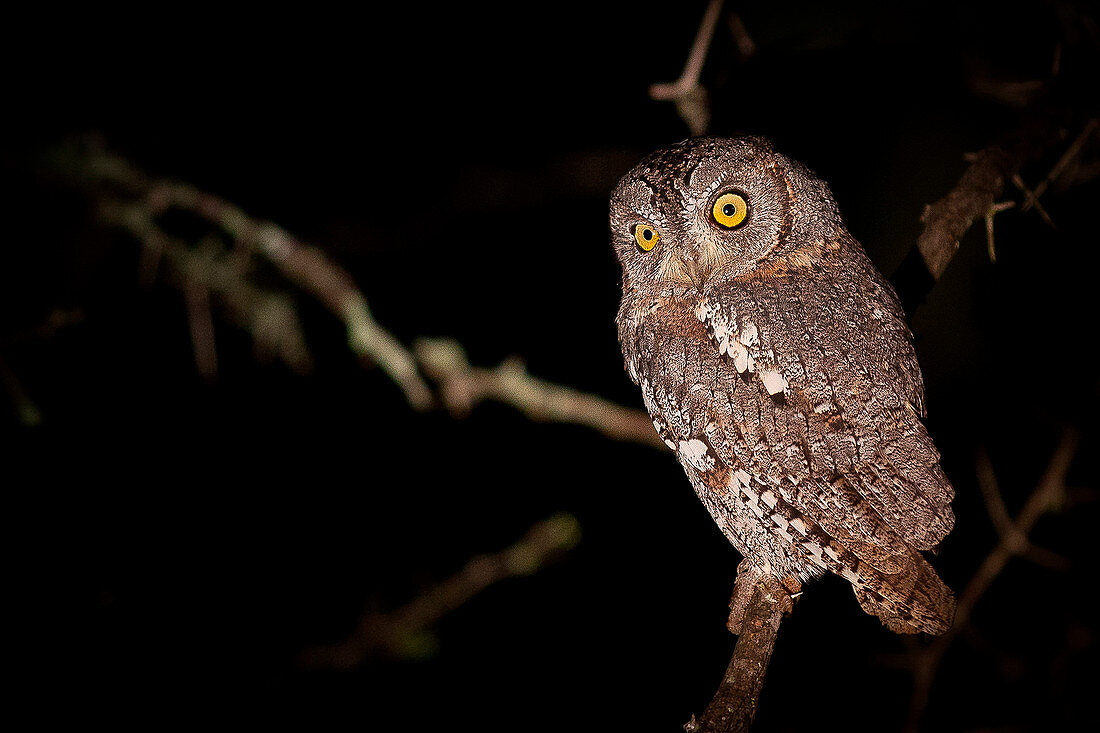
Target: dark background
<point>174,544</point>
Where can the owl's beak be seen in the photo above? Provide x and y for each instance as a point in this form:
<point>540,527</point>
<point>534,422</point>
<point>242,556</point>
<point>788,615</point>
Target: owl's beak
<point>695,272</point>
<point>682,268</point>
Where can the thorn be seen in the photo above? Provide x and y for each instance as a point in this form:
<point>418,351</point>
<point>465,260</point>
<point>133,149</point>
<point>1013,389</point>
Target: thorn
<point>993,211</point>
<point>1031,199</point>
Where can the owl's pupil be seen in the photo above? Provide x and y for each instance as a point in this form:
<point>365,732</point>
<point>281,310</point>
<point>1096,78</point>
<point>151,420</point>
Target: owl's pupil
<point>729,209</point>
<point>647,234</point>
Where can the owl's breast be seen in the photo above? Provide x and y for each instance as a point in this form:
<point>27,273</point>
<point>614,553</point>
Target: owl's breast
<point>655,331</point>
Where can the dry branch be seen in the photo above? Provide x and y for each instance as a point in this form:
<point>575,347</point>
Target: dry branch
<point>947,220</point>
<point>973,197</point>
<point>269,316</point>
<point>462,386</point>
<point>272,320</point>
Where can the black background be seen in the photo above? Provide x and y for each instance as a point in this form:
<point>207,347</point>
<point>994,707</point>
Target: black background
<point>175,544</point>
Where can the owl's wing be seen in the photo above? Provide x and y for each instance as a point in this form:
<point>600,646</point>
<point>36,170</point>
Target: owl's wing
<point>827,346</point>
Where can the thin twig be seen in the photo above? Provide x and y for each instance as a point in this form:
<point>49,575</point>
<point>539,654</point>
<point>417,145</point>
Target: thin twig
<point>201,319</point>
<point>1068,157</point>
<point>269,316</point>
<point>993,211</point>
<point>1031,199</point>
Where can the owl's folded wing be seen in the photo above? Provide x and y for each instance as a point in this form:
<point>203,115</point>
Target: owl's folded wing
<point>834,363</point>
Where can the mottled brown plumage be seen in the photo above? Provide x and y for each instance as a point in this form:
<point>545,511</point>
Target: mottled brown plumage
<point>776,361</point>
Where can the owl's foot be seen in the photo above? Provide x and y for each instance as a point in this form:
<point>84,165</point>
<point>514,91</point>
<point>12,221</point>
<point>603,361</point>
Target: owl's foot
<point>749,578</point>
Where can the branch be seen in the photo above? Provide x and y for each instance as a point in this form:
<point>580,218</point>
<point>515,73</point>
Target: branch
<point>973,197</point>
<point>947,220</point>
<point>757,608</point>
<point>272,320</point>
<point>463,386</point>
<point>305,266</point>
<point>269,316</point>
<point>1047,495</point>
<point>406,631</point>
<point>688,94</point>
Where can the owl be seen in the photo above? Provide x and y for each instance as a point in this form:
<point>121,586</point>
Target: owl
<point>776,361</point>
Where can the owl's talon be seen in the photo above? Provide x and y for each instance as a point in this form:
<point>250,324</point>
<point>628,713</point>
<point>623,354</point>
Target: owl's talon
<point>749,578</point>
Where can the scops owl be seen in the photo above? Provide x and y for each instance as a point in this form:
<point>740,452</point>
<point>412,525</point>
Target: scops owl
<point>776,361</point>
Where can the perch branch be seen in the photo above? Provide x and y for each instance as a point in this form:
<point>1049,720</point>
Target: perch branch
<point>406,631</point>
<point>1013,541</point>
<point>757,608</point>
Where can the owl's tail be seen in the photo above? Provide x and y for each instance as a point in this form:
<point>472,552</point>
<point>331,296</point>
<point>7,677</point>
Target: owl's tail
<point>912,600</point>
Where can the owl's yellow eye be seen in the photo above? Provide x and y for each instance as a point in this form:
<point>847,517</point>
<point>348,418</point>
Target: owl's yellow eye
<point>646,236</point>
<point>730,210</point>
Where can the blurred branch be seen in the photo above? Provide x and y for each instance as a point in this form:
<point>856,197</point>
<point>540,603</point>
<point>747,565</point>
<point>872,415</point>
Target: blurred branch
<point>208,270</point>
<point>745,45</point>
<point>462,386</point>
<point>1048,494</point>
<point>306,267</point>
<point>269,316</point>
<point>28,412</point>
<point>405,633</point>
<point>1068,157</point>
<point>686,92</point>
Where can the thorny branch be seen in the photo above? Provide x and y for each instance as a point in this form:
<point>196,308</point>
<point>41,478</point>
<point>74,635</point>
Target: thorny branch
<point>947,220</point>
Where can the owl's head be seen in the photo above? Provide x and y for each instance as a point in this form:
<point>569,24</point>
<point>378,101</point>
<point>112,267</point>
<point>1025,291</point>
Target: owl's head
<point>709,209</point>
